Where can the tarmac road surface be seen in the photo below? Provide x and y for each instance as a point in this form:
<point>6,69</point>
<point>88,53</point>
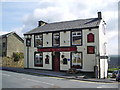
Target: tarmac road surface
<point>19,80</point>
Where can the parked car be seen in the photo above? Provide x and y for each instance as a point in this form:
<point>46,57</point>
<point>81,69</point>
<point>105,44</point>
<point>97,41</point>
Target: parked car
<point>118,76</point>
<point>114,73</point>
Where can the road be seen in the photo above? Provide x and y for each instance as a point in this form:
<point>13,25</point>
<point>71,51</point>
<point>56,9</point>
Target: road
<point>19,80</point>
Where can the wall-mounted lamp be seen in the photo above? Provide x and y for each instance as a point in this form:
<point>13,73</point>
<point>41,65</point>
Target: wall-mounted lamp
<point>28,40</point>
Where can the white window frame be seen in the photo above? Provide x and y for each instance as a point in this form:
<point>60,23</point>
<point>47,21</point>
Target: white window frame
<point>76,59</point>
<point>76,35</point>
<point>39,37</point>
<point>38,56</point>
<point>56,36</point>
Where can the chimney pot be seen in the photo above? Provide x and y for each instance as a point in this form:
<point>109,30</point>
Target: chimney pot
<point>99,15</point>
<point>41,23</point>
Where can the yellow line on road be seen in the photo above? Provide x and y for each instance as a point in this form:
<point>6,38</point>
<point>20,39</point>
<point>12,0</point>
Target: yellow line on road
<point>82,81</point>
<point>57,77</point>
<point>93,82</point>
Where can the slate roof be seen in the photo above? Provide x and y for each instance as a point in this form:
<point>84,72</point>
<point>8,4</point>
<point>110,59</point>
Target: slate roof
<point>66,25</point>
<point>13,33</point>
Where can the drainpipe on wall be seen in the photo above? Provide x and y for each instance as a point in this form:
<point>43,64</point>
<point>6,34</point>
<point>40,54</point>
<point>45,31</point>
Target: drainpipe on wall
<point>27,57</point>
<point>99,70</point>
<point>96,64</point>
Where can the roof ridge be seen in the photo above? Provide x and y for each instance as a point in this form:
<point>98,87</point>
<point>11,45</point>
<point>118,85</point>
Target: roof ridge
<point>65,25</point>
<point>69,21</point>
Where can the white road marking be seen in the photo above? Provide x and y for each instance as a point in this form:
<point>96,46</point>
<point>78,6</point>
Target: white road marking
<point>29,79</point>
<point>99,87</point>
<point>38,81</point>
<point>5,74</point>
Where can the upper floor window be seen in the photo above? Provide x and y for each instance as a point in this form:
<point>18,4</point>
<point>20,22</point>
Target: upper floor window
<point>38,40</point>
<point>56,39</point>
<point>90,37</point>
<point>77,38</point>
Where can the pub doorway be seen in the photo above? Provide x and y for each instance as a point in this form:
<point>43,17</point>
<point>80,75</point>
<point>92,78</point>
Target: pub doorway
<point>56,61</point>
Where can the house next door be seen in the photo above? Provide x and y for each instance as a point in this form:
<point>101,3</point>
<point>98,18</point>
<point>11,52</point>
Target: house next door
<point>56,61</point>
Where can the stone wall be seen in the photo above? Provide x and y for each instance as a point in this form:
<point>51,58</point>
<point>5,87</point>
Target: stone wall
<point>14,44</point>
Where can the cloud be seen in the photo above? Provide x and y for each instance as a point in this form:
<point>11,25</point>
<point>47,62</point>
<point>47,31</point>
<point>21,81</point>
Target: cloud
<point>19,30</point>
<point>64,10</point>
<point>113,46</point>
<point>19,0</point>
<point>112,34</point>
<point>3,32</point>
<point>112,39</point>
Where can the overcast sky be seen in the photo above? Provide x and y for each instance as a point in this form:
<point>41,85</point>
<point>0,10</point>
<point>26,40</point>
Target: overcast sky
<point>22,16</point>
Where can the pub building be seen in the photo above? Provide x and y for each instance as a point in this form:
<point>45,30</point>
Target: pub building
<point>59,46</point>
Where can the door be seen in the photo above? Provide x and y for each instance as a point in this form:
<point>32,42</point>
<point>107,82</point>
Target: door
<point>56,61</point>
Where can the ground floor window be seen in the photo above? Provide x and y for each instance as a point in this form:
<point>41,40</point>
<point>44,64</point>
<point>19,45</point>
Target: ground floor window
<point>47,59</point>
<point>77,60</point>
<point>64,59</point>
<point>38,59</point>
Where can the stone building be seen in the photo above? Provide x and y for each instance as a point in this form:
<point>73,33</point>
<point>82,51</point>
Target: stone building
<point>10,43</point>
<point>58,46</point>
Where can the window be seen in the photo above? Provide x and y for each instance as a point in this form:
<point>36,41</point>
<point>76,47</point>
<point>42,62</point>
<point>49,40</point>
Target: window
<point>4,44</point>
<point>90,50</point>
<point>56,39</point>
<point>77,60</point>
<point>38,59</point>
<point>28,42</point>
<point>4,54</point>
<point>90,37</point>
<point>77,38</point>
<point>38,40</point>
<point>64,59</point>
<point>47,59</point>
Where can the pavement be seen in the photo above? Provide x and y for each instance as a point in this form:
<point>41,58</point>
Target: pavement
<point>58,74</point>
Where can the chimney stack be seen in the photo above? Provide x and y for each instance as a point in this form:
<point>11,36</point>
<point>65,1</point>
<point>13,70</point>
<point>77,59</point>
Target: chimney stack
<point>41,23</point>
<point>99,15</point>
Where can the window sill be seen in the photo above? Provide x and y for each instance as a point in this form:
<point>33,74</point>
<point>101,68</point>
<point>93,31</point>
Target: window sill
<point>38,65</point>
